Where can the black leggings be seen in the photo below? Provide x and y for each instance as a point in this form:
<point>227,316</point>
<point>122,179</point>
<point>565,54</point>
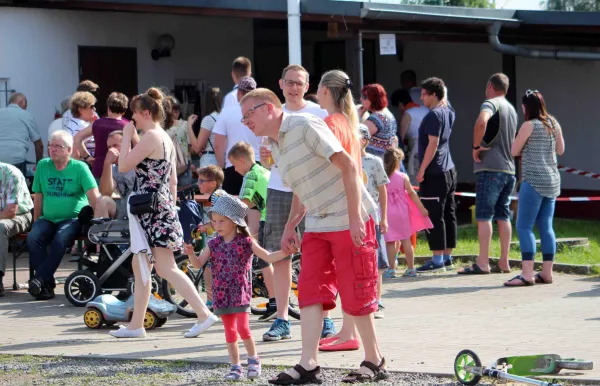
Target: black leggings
<point>437,195</point>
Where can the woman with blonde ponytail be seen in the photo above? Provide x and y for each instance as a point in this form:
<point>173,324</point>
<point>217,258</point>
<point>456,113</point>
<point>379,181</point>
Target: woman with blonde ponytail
<point>335,96</point>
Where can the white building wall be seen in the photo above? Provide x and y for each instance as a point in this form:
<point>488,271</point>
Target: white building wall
<point>39,50</point>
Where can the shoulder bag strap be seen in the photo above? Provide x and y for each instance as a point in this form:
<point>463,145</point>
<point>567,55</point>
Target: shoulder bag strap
<point>210,143</point>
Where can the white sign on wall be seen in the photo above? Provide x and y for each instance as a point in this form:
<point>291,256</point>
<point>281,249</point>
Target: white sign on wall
<point>387,44</point>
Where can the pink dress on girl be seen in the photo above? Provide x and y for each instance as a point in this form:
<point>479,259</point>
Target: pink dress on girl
<point>404,217</point>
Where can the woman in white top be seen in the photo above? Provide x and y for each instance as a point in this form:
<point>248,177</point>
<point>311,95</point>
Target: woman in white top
<point>177,130</point>
<point>203,143</point>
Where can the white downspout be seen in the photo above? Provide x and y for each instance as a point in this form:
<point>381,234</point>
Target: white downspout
<point>294,41</point>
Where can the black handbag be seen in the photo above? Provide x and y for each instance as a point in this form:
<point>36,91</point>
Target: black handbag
<point>143,203</point>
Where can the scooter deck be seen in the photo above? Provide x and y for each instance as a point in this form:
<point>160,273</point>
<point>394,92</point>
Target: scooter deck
<point>531,365</point>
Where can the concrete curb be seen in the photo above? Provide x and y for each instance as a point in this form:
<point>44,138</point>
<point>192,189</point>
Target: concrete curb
<point>575,269</point>
<point>123,359</point>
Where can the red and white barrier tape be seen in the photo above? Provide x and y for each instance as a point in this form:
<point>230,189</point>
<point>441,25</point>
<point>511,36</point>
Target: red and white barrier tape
<point>575,199</point>
<point>578,172</point>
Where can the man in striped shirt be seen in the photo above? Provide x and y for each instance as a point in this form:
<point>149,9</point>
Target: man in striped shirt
<point>339,243</point>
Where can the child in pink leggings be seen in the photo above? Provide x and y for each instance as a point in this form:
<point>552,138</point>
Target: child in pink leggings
<point>230,254</point>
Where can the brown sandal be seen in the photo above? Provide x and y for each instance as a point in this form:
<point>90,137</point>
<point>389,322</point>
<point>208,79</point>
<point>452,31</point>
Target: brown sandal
<point>379,373</point>
<point>313,376</point>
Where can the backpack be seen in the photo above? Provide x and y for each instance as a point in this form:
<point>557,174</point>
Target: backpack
<point>181,163</point>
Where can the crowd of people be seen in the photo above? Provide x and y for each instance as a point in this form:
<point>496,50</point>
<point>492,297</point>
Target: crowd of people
<point>330,178</point>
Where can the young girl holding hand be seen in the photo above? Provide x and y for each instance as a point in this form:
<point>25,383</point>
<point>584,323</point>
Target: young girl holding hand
<point>405,212</point>
<point>230,254</point>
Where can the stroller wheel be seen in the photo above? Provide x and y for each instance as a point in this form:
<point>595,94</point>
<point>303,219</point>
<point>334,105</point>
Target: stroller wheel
<point>93,318</point>
<point>82,287</point>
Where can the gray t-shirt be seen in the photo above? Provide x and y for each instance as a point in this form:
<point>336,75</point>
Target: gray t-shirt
<point>499,136</point>
<point>124,186</point>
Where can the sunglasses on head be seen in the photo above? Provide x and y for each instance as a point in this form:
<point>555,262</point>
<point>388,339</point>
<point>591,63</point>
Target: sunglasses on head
<point>530,92</point>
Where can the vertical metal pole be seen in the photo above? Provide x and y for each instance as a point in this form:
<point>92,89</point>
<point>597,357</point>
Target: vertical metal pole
<point>294,37</point>
<point>360,61</point>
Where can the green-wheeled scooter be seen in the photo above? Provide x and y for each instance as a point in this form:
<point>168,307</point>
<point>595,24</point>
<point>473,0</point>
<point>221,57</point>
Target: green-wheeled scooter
<point>469,370</point>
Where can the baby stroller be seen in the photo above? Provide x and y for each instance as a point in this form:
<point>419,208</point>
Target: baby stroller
<point>107,271</point>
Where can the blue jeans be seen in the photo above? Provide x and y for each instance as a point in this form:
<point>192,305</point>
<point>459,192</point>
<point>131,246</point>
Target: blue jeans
<point>534,208</point>
<point>22,167</point>
<point>382,260</point>
<point>493,196</point>
<point>47,243</point>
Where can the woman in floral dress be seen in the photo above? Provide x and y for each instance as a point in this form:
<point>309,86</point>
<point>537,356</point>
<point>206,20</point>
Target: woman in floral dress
<point>153,159</point>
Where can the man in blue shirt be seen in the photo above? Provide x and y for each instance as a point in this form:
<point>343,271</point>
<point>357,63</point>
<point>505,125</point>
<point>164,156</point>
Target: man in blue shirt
<point>437,176</point>
<point>17,128</point>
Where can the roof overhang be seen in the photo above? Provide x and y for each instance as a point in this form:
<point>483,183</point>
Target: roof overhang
<point>439,15</point>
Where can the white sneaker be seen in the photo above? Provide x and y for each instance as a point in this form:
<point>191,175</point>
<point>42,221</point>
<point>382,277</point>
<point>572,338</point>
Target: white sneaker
<point>199,328</point>
<point>123,332</point>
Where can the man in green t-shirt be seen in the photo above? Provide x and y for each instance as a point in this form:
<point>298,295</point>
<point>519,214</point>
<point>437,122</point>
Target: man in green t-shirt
<point>254,187</point>
<point>62,186</point>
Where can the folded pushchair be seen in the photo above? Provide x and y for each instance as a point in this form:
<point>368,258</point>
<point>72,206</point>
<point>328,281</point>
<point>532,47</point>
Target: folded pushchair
<point>107,271</point>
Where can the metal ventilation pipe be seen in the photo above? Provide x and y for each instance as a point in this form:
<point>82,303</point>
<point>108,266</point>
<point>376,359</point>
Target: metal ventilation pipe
<point>556,53</point>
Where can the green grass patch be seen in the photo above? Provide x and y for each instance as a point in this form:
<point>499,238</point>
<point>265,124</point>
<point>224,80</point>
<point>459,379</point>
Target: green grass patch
<point>468,243</point>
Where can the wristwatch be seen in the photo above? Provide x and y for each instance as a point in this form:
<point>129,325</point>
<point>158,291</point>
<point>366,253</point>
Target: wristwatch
<point>476,147</point>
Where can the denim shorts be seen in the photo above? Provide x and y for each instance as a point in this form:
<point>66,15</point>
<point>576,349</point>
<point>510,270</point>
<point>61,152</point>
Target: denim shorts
<point>382,261</point>
<point>493,196</point>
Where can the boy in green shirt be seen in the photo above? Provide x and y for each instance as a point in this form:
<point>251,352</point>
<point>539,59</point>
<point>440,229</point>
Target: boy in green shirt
<point>62,187</point>
<point>254,188</point>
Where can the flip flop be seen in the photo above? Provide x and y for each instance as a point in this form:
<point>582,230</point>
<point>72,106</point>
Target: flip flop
<point>497,269</point>
<point>473,270</point>
<point>521,283</point>
<point>540,280</point>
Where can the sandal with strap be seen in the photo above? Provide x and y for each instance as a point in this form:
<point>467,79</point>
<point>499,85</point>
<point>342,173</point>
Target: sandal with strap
<point>521,283</point>
<point>540,280</point>
<point>473,270</point>
<point>379,373</point>
<point>254,368</point>
<point>234,374</point>
<point>313,376</point>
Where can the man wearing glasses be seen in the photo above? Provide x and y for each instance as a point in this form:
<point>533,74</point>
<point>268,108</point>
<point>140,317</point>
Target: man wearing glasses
<point>62,187</point>
<point>294,84</point>
<point>493,135</point>
<point>230,130</point>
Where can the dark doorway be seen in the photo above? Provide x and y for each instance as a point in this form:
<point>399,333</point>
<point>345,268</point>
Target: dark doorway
<point>369,62</point>
<point>112,68</point>
<point>329,55</point>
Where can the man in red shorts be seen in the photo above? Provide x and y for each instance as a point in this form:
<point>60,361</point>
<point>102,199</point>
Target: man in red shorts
<point>339,244</point>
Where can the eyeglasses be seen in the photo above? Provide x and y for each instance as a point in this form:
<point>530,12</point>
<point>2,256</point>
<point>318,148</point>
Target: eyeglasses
<point>292,83</point>
<point>530,92</point>
<point>200,181</point>
<point>93,107</point>
<point>250,111</point>
<point>57,147</point>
